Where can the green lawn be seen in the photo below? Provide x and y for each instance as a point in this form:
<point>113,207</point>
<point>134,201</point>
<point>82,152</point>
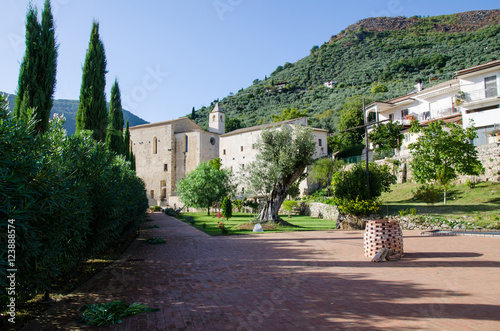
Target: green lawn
<point>481,203</point>
<point>299,223</point>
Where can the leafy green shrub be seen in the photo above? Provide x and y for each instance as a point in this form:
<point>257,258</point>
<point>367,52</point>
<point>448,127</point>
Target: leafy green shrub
<point>171,212</point>
<point>156,208</point>
<point>189,219</point>
<point>322,193</point>
<point>427,193</point>
<point>103,314</point>
<point>406,212</point>
<point>470,183</point>
<point>154,241</point>
<point>351,184</point>
<point>358,207</point>
<point>69,196</point>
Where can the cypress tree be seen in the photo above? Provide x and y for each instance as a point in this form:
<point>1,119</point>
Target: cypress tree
<point>126,142</point>
<point>92,113</point>
<point>48,67</point>
<point>114,135</point>
<point>37,77</point>
<point>132,160</point>
<point>27,90</point>
<point>193,114</point>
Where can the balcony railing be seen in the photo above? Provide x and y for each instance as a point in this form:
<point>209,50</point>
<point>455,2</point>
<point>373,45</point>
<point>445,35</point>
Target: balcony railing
<point>481,94</point>
<point>431,115</point>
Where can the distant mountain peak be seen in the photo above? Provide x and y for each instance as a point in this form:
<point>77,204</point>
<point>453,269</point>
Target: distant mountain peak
<point>69,108</point>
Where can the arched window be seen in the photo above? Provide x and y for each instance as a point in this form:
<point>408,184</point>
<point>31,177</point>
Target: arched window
<point>213,118</point>
<point>155,145</point>
<point>221,118</point>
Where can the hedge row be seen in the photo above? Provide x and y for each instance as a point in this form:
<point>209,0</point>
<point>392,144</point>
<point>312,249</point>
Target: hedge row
<point>69,197</point>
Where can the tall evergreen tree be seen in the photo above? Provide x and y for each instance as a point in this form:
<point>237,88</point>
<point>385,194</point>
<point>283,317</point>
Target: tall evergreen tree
<point>48,67</point>
<point>37,78</point>
<point>114,135</point>
<point>27,90</point>
<point>92,113</point>
<point>193,114</point>
<point>132,161</point>
<point>126,142</point>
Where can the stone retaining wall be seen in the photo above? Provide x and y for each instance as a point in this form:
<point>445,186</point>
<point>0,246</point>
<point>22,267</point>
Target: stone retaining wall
<point>321,210</point>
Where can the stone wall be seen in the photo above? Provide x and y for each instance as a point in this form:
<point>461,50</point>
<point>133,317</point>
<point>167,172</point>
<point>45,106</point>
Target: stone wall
<point>321,210</point>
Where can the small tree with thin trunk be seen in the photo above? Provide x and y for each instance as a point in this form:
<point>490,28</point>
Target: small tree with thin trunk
<point>205,185</point>
<point>284,154</point>
<point>442,152</point>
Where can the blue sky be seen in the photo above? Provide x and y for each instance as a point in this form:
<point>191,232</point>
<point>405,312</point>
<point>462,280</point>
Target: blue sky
<point>169,56</point>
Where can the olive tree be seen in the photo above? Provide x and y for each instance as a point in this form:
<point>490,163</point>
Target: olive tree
<point>284,154</point>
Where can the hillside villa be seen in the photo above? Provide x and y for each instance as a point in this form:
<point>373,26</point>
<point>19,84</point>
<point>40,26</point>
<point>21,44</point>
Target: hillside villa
<point>471,98</point>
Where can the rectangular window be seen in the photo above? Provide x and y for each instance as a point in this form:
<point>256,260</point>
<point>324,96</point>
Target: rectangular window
<point>319,142</point>
<point>165,167</point>
<point>152,194</point>
<point>490,86</point>
<point>404,113</point>
<point>391,117</point>
<point>242,148</point>
<point>187,144</point>
<point>407,137</point>
<point>223,152</point>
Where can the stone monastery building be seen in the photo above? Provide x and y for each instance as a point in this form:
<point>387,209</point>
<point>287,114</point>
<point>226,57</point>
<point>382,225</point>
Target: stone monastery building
<point>166,151</point>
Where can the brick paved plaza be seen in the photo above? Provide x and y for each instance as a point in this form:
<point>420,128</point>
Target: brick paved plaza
<point>294,281</point>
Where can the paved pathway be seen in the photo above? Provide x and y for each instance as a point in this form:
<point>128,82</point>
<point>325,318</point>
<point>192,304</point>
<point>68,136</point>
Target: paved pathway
<point>294,281</point>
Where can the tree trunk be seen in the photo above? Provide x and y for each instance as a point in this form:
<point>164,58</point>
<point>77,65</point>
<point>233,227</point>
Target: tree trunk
<point>445,195</point>
<point>208,211</point>
<point>273,204</point>
<point>270,211</point>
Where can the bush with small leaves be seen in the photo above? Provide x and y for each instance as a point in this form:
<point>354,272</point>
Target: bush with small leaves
<point>427,193</point>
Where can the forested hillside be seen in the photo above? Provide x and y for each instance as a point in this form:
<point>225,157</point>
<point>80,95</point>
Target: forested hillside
<point>69,108</point>
<point>393,52</point>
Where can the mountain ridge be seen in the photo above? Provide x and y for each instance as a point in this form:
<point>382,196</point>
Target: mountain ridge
<point>456,23</point>
<point>391,51</point>
<point>69,108</point>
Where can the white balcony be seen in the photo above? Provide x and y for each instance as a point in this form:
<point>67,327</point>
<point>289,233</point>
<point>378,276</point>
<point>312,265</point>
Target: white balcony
<point>481,94</point>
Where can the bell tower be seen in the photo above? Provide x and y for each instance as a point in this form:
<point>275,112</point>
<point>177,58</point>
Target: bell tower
<point>217,121</point>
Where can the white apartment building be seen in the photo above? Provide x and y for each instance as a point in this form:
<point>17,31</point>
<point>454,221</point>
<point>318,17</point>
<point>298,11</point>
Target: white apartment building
<point>480,100</point>
<point>424,105</point>
<point>472,97</point>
